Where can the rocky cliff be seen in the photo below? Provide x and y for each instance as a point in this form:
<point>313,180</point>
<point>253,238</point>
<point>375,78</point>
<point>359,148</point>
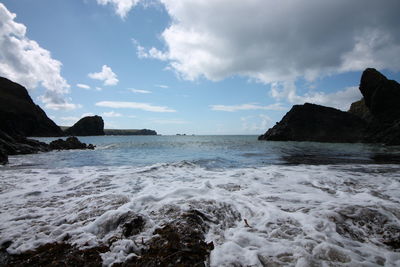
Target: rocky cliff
<point>310,122</point>
<point>373,119</point>
<point>87,126</point>
<point>20,116</point>
<point>382,98</point>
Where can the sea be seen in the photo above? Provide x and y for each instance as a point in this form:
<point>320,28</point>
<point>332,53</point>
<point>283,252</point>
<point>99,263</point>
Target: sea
<point>270,203</point>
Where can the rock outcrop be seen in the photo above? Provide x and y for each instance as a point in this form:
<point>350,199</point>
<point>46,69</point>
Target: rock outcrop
<point>20,116</point>
<point>87,126</point>
<point>15,145</point>
<point>373,119</point>
<point>382,98</point>
<point>70,143</point>
<point>310,122</point>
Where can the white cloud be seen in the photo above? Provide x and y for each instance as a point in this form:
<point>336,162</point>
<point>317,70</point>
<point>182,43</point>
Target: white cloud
<point>340,99</point>
<point>83,86</point>
<point>23,61</point>
<point>282,41</point>
<point>74,119</point>
<point>138,91</point>
<point>122,7</point>
<point>134,105</point>
<point>251,106</point>
<point>162,86</point>
<point>69,119</point>
<point>99,88</point>
<point>106,75</point>
<point>57,102</point>
<point>255,124</point>
<point>111,114</point>
<point>87,114</point>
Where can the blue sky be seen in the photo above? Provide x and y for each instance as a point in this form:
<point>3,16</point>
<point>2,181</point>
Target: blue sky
<point>195,67</point>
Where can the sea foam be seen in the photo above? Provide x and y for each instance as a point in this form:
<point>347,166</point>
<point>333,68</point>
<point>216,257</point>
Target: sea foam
<point>285,215</point>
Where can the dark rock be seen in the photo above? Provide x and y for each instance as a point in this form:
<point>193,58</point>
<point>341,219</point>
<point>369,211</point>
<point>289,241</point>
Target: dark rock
<point>55,254</point>
<point>364,224</point>
<point>20,116</point>
<point>178,243</point>
<point>3,157</point>
<point>361,110</point>
<point>382,96</point>
<point>133,226</point>
<point>310,122</point>
<point>70,143</point>
<point>87,126</point>
<point>21,145</point>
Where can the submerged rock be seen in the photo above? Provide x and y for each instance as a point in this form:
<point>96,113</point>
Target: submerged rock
<point>87,126</point>
<point>70,143</point>
<point>180,242</point>
<point>364,224</point>
<point>310,122</point>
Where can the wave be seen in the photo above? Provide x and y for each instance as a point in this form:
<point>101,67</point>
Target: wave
<point>272,215</point>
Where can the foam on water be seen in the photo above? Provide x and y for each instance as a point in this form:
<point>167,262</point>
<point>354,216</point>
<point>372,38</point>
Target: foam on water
<point>291,215</point>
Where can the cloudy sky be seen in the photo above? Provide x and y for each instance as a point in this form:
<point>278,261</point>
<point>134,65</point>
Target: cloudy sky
<point>194,66</point>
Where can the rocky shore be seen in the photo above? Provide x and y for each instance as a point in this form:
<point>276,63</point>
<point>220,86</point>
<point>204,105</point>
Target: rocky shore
<point>373,119</point>
<point>21,117</point>
<point>178,243</point>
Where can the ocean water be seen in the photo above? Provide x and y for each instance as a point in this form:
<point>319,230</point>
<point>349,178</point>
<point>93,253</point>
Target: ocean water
<point>305,204</point>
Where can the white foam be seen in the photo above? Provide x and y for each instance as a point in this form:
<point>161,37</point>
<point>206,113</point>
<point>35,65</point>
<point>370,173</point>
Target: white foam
<point>291,212</point>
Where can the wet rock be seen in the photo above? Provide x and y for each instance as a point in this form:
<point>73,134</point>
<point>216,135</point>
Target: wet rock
<point>133,226</point>
<point>178,243</point>
<point>70,143</point>
<point>20,145</point>
<point>55,254</point>
<point>20,116</point>
<point>366,224</point>
<point>310,122</point>
<point>87,126</point>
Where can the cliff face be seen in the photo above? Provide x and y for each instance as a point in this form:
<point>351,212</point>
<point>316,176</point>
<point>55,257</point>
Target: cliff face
<point>310,122</point>
<point>20,116</point>
<point>373,119</point>
<point>87,126</point>
<point>382,98</point>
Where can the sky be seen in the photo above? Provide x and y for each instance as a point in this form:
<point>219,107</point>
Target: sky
<point>194,66</point>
